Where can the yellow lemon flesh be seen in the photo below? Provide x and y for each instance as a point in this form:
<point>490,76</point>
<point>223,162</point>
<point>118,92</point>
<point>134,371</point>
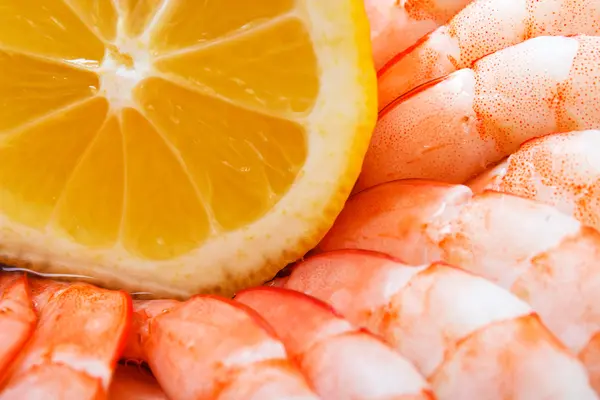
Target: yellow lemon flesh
<point>178,146</point>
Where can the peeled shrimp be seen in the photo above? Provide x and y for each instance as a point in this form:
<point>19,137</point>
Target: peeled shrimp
<point>451,130</point>
<point>562,170</point>
<point>398,24</point>
<point>76,344</point>
<point>472,339</point>
<point>482,28</point>
<point>545,257</point>
<point>207,347</point>
<point>213,348</point>
<point>327,347</point>
<point>17,318</point>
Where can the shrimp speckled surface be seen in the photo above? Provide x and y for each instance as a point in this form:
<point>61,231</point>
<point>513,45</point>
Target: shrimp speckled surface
<point>482,28</point>
<point>454,128</point>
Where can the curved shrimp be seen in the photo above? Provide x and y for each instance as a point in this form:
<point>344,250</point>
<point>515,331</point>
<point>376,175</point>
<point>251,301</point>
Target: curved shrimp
<point>398,24</point>
<point>482,28</point>
<point>17,318</point>
<point>231,352</point>
<point>327,346</point>
<point>471,338</point>
<point>545,257</point>
<point>75,347</point>
<point>451,130</point>
<point>562,170</point>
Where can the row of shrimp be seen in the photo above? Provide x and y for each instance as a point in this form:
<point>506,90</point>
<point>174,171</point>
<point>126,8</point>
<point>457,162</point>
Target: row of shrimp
<point>63,341</point>
<point>464,266</point>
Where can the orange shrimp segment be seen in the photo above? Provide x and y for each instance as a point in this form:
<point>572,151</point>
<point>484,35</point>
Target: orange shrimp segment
<point>327,347</point>
<point>59,380</point>
<point>397,25</point>
<point>449,334</point>
<point>453,129</point>
<point>544,257</point>
<point>17,318</point>
<point>317,320</point>
<point>78,340</point>
<point>482,28</point>
<point>215,340</point>
<point>273,379</point>
<point>560,169</point>
<point>143,314</point>
<point>534,361</point>
<point>411,141</point>
<point>388,218</point>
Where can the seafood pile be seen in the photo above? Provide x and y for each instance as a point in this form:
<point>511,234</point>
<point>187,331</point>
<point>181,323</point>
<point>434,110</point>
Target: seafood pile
<point>464,266</point>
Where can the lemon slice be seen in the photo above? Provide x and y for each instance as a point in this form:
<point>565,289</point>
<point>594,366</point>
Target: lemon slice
<point>178,146</point>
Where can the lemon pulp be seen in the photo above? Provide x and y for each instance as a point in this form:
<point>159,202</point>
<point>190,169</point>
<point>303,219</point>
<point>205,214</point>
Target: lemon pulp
<point>150,131</point>
<point>178,146</point>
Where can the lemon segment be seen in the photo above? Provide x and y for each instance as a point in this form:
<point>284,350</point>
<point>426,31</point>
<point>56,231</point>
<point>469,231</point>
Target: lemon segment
<point>241,162</point>
<point>272,68</point>
<point>33,87</point>
<point>49,29</point>
<point>38,160</point>
<point>100,16</point>
<point>177,147</point>
<point>137,14</point>
<point>156,180</point>
<point>90,209</point>
<point>187,23</point>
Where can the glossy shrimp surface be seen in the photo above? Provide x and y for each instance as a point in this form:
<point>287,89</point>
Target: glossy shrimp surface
<point>241,349</point>
<point>17,318</point>
<point>541,255</point>
<point>326,347</point>
<point>79,336</point>
<point>475,342</point>
<point>232,350</point>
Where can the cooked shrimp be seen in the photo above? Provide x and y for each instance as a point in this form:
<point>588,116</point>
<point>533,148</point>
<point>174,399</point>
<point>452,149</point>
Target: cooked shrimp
<point>482,28</point>
<point>327,348</point>
<point>562,170</point>
<point>398,24</point>
<point>75,347</point>
<point>453,129</point>
<point>545,257</point>
<point>229,351</point>
<point>17,318</point>
<point>472,339</point>
<point>134,383</point>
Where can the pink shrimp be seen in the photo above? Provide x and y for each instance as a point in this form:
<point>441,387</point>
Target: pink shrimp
<point>231,352</point>
<point>17,318</point>
<point>545,257</point>
<point>76,344</point>
<point>482,28</point>
<point>327,348</point>
<point>562,170</point>
<point>472,339</point>
<point>398,24</point>
<point>451,130</point>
